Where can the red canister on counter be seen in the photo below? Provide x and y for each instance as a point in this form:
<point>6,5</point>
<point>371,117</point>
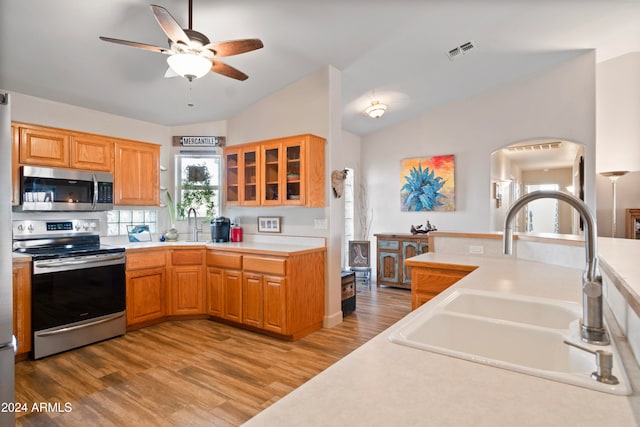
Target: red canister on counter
<point>236,233</point>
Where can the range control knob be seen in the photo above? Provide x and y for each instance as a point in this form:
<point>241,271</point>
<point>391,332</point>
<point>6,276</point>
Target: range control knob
<point>20,227</point>
<point>77,227</point>
<point>85,226</point>
<point>30,228</point>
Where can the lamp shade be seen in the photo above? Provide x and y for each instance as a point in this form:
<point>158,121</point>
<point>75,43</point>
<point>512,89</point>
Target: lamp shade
<point>376,109</point>
<point>189,65</point>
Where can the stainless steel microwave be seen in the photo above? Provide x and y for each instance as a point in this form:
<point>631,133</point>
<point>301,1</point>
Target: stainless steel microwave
<point>55,189</point>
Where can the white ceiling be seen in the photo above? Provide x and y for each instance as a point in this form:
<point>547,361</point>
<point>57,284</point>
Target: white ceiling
<point>394,51</point>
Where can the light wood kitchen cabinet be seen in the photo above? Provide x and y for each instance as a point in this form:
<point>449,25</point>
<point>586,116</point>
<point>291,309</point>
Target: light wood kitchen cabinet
<point>136,173</point>
<point>45,146</point>
<point>146,287</point>
<point>252,300</point>
<point>242,175</point>
<point>256,291</point>
<point>22,307</point>
<point>224,285</point>
<point>392,251</point>
<point>42,146</point>
<point>431,279</point>
<point>187,291</point>
<point>91,152</point>
<point>283,171</point>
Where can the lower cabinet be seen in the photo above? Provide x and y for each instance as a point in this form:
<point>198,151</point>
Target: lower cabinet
<point>187,285</point>
<point>430,280</point>
<point>282,295</point>
<point>146,286</point>
<point>264,302</point>
<point>22,306</point>
<point>259,291</point>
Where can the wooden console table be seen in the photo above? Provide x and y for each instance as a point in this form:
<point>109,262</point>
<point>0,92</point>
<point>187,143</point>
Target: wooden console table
<point>393,249</point>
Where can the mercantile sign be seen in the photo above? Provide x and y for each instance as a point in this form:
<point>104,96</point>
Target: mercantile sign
<point>199,141</point>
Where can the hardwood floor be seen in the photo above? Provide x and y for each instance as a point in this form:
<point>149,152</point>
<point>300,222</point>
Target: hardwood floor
<point>192,372</point>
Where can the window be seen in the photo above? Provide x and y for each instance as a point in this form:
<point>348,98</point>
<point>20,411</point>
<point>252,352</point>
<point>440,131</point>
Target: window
<point>117,220</point>
<point>198,184</point>
<point>349,220</point>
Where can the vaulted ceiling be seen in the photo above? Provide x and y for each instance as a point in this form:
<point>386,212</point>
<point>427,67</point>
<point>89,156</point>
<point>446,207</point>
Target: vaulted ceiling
<point>392,51</point>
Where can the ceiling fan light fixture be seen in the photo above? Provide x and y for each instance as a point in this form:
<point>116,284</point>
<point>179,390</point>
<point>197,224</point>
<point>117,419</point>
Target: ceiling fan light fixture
<point>376,109</point>
<point>189,65</point>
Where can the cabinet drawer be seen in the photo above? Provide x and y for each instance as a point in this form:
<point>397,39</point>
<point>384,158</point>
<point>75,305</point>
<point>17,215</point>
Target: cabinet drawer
<point>224,260</point>
<point>187,257</point>
<point>431,280</point>
<point>389,244</point>
<point>265,265</point>
<point>145,259</point>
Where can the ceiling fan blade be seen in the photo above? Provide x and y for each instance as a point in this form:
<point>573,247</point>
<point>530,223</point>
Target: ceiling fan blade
<point>228,70</point>
<point>169,25</point>
<point>234,47</point>
<point>136,44</point>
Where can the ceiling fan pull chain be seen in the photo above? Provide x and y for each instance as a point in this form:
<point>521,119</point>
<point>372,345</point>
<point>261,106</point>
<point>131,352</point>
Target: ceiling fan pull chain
<point>190,99</point>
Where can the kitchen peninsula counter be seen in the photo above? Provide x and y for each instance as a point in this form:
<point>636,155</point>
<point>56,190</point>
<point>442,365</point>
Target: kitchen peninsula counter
<point>260,248</point>
<point>383,383</point>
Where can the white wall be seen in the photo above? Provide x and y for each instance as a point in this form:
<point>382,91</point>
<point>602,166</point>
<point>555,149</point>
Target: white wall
<point>556,103</point>
<point>618,138</point>
<point>311,105</point>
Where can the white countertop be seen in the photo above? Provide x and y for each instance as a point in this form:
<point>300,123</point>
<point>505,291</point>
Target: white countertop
<point>382,383</point>
<point>263,248</point>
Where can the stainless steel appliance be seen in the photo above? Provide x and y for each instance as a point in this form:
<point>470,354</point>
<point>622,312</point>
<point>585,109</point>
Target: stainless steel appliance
<point>55,189</point>
<point>77,284</point>
<point>220,229</point>
<point>7,340</point>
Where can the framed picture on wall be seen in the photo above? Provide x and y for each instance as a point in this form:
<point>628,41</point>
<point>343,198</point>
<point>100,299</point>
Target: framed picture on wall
<point>359,253</point>
<point>269,224</point>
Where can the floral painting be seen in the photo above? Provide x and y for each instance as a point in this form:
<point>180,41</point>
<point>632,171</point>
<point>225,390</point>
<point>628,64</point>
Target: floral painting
<point>427,184</point>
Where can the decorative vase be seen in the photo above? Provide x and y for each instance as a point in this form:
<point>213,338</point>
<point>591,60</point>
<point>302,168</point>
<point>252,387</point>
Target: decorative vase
<point>171,235</point>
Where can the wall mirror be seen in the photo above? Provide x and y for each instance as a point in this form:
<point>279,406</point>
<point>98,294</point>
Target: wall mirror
<point>537,164</point>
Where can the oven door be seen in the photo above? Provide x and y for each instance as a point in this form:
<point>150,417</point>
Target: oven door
<point>70,290</point>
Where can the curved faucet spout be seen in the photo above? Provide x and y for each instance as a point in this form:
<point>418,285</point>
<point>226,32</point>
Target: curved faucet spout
<point>592,327</point>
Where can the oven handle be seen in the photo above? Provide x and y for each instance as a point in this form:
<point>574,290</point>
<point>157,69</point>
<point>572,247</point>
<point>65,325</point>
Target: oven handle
<point>84,325</point>
<point>81,262</point>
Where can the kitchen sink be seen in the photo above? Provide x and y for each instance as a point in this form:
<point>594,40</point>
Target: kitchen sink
<point>529,310</point>
<point>518,333</point>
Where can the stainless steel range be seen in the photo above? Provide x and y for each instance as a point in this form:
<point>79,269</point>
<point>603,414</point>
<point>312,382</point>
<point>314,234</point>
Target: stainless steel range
<point>77,284</point>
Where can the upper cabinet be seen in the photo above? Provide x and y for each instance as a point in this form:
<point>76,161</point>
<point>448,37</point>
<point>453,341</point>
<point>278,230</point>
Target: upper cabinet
<point>135,165</point>
<point>44,146</point>
<point>136,173</point>
<point>284,171</point>
<point>91,152</point>
<point>242,175</point>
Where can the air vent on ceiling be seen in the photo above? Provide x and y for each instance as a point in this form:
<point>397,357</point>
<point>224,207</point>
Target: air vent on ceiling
<point>460,50</point>
<point>536,147</point>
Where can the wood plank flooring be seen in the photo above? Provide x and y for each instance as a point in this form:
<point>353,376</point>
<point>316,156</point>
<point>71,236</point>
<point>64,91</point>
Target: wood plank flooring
<point>192,372</point>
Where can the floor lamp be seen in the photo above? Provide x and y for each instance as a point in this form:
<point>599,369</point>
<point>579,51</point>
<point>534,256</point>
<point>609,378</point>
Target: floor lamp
<point>613,176</point>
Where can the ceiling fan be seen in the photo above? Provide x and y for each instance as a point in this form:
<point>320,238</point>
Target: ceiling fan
<point>191,54</point>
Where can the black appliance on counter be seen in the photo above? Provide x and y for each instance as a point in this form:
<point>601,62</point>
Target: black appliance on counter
<point>78,286</point>
<point>220,229</point>
<point>348,292</point>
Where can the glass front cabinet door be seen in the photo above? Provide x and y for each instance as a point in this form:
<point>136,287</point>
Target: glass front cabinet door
<point>250,176</point>
<point>271,168</point>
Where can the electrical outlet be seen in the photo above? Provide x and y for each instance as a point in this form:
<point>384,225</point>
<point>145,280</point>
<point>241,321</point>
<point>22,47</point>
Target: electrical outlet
<point>476,250</point>
<point>320,224</point>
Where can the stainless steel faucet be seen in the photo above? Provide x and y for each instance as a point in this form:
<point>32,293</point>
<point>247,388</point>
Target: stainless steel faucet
<point>195,223</point>
<point>592,324</point>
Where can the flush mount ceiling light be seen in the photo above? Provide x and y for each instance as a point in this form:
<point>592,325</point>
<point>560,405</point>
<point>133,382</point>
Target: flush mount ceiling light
<point>376,109</point>
<point>189,66</point>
